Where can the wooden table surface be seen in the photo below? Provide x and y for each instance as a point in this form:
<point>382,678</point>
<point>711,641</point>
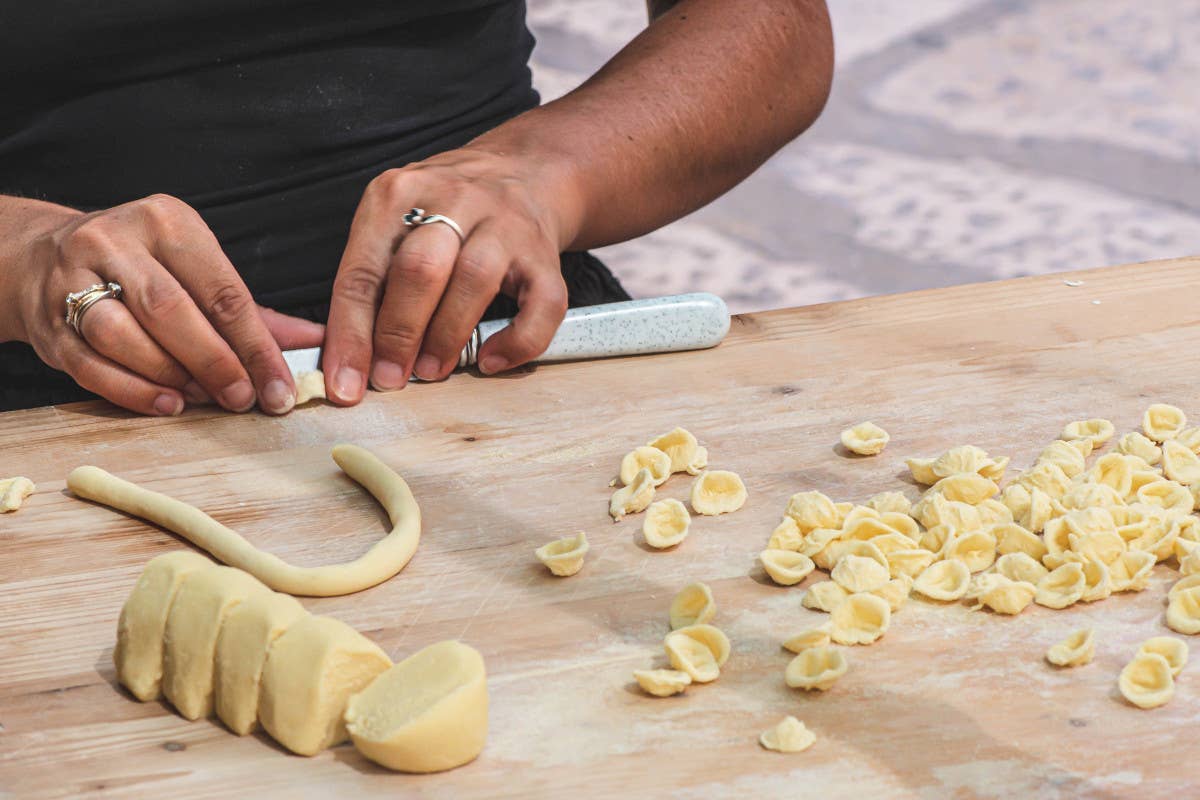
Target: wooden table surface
<point>950,703</point>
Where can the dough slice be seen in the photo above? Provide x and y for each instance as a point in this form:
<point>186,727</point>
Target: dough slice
<point>204,600</point>
<point>310,386</point>
<point>14,492</point>
<point>247,635</point>
<point>311,671</point>
<point>426,714</point>
<point>138,655</point>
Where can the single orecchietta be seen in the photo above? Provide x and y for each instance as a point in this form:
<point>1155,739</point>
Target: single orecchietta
<point>692,605</point>
<point>682,448</point>
<point>645,457</point>
<point>1076,650</point>
<point>662,682</point>
<point>717,492</point>
<point>1183,611</point>
<point>564,557</point>
<point>859,619</point>
<point>1175,651</point>
<point>633,497</point>
<point>786,567</point>
<point>1146,681</point>
<point>865,439</point>
<point>814,637</point>
<point>789,735</point>
<point>14,492</point>
<point>698,650</point>
<point>816,668</point>
<point>944,581</point>
<point>1162,422</point>
<point>666,523</point>
<point>1096,431</point>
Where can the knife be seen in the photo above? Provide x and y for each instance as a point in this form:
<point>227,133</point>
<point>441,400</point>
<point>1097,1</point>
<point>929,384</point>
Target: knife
<point>633,327</point>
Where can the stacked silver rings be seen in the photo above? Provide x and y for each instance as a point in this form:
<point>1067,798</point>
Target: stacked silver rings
<point>79,302</point>
<point>416,216</point>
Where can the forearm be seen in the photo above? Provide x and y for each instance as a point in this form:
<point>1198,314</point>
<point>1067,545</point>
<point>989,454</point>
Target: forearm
<point>21,221</point>
<point>682,114</point>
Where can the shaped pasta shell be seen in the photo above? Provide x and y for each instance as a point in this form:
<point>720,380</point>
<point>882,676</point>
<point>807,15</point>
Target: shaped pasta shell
<point>699,461</point>
<point>564,557</point>
<point>633,497</point>
<point>1021,567</point>
<point>1103,546</point>
<point>786,536</point>
<point>698,650</point>
<point>860,619</point>
<point>1182,585</point>
<point>976,549</point>
<point>692,605</point>
<point>1180,464</point>
<point>788,736</point>
<point>993,512</point>
<point>1062,587</point>
<point>963,458</point>
<point>1183,611</point>
<point>895,592</point>
<point>816,668</point>
<point>824,596</point>
<point>922,470</point>
<point>1048,477</point>
<point>1131,572</point>
<point>965,487</point>
<point>860,573</point>
<point>812,510</point>
<point>662,682</point>
<point>890,502</point>
<point>865,438</point>
<point>1146,681</point>
<point>718,492</point>
<point>1136,444</point>
<point>680,446</point>
<point>1113,470</point>
<point>785,567</point>
<point>646,457</point>
<point>836,550</point>
<point>1002,595</point>
<point>666,523</point>
<point>1096,431</point>
<point>909,563</point>
<point>1097,583</point>
<point>1089,495</point>
<point>1175,651</point>
<point>1074,651</point>
<point>1162,422</point>
<point>1168,495</point>
<point>1069,459</point>
<point>818,541</point>
<point>945,581</point>
<point>1012,538</point>
<point>813,637</point>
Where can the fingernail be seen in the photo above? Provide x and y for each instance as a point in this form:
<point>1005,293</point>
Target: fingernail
<point>168,405</point>
<point>491,364</point>
<point>238,396</point>
<point>196,395</point>
<point>428,368</point>
<point>387,376</point>
<point>348,384</point>
<point>277,398</point>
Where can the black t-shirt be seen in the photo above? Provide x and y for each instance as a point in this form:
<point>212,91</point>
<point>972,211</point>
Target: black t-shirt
<point>269,118</point>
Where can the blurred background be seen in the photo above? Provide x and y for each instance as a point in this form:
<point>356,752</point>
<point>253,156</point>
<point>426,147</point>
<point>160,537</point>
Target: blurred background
<point>965,140</point>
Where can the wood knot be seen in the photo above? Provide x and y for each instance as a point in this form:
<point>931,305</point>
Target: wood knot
<point>174,747</point>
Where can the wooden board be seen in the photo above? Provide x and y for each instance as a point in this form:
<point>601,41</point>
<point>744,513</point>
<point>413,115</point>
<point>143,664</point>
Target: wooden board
<point>950,703</point>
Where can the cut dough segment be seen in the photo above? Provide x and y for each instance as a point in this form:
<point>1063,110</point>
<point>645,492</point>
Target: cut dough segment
<point>813,637</point>
<point>242,646</point>
<point>1062,587</point>
<point>1074,651</point>
<point>1183,611</point>
<point>816,668</point>
<point>564,557</point>
<point>681,446</point>
<point>662,682</point>
<point>1162,422</point>
<point>385,558</point>
<point>824,596</point>
<point>1146,681</point>
<point>859,573</point>
<point>698,650</point>
<point>14,492</point>
<point>1180,464</point>
<point>786,567</point>
<point>945,581</point>
<point>860,619</point>
<point>138,655</point>
<point>890,501</point>
<point>1135,444</point>
<point>310,386</point>
<point>310,674</point>
<point>1001,594</point>
<point>1175,651</point>
<point>203,602</point>
<point>1096,431</point>
<point>788,736</point>
<point>718,492</point>
<point>633,497</point>
<point>645,457</point>
<point>865,438</point>
<point>666,523</point>
<point>692,605</point>
<point>426,714</point>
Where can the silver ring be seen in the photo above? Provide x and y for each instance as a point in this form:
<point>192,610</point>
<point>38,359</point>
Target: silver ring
<point>79,302</point>
<point>416,216</point>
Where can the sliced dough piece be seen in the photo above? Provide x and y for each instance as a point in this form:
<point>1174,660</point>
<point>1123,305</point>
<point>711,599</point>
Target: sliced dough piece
<point>681,446</point>
<point>813,637</point>
<point>203,602</point>
<point>1146,681</point>
<point>1074,651</point>
<point>816,668</point>
<point>1183,611</point>
<point>662,682</point>
<point>310,674</point>
<point>1096,431</point>
<point>785,567</point>
<point>385,558</point>
<point>1062,587</point>
<point>246,636</point>
<point>1135,444</point>
<point>666,523</point>
<point>428,713</point>
<point>1175,651</point>
<point>645,457</point>
<point>1162,422</point>
<point>564,557</point>
<point>824,596</point>
<point>788,736</point>
<point>718,492</point>
<point>14,492</point>
<point>860,574</point>
<point>944,581</point>
<point>692,605</point>
<point>1180,463</point>
<point>633,497</point>
<point>698,650</point>
<point>310,386</point>
<point>861,619</point>
<point>865,438</point>
<point>138,655</point>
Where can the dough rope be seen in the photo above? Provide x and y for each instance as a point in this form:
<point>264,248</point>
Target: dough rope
<point>385,558</point>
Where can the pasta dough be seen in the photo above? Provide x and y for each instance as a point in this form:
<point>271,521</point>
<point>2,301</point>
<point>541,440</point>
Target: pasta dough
<point>1020,567</point>
<point>310,674</point>
<point>824,596</point>
<point>427,713</point>
<point>786,567</point>
<point>666,523</point>
<point>698,650</point>
<point>310,386</point>
<point>138,655</point>
<point>814,637</point>
<point>386,558</point>
<point>865,439</point>
<point>813,510</point>
<point>788,736</point>
<point>1146,681</point>
<point>1131,571</point>
<point>859,573</point>
<point>633,497</point>
<point>564,557</point>
<point>1074,651</point>
<point>816,668</point>
<point>682,448</point>
<point>651,458</point>
<point>1179,463</point>
<point>1062,587</point>
<point>1175,651</point>
<point>1162,422</point>
<point>1135,444</point>
<point>859,619</point>
<point>1096,431</point>
<point>692,605</point>
<point>718,492</point>
<point>662,682</point>
<point>14,492</point>
<point>1183,611</point>
<point>1001,594</point>
<point>945,581</point>
<point>890,501</point>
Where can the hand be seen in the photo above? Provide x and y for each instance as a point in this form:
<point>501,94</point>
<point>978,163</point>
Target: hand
<point>406,300</point>
<point>186,325</point>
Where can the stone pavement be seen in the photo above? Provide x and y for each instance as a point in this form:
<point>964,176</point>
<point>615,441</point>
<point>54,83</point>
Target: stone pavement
<point>965,140</point>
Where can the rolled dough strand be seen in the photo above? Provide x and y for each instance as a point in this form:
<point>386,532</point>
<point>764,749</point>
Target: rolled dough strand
<point>385,558</point>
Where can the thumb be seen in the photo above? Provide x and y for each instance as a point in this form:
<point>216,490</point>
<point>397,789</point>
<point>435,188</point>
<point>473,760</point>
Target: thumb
<point>292,333</point>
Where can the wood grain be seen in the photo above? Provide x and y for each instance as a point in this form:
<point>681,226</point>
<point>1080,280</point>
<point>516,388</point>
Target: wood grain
<point>949,703</point>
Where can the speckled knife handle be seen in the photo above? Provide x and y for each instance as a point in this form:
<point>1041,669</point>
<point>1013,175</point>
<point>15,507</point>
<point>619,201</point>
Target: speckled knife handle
<point>634,327</point>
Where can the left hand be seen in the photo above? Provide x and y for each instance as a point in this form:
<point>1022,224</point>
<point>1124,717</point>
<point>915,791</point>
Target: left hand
<point>406,300</point>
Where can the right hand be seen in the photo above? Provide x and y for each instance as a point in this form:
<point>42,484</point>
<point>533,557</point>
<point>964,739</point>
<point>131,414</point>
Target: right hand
<point>186,326</point>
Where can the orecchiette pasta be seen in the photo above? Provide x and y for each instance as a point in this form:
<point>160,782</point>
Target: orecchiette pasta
<point>976,549</point>
<point>824,596</point>
<point>666,523</point>
<point>1183,611</point>
<point>564,557</point>
<point>966,487</point>
<point>1020,566</point>
<point>633,497</point>
<point>662,682</point>
<point>1182,585</point>
<point>860,573</point>
<point>1001,594</point>
<point>1175,651</point>
<point>1096,431</point>
<point>786,567</point>
<point>865,438</point>
<point>816,668</point>
<point>1062,587</point>
<point>910,563</point>
<point>680,446</point>
<point>895,592</point>
<point>1131,571</point>
<point>1162,422</point>
<point>786,536</point>
<point>1167,494</point>
<point>718,492</point>
<point>859,619</point>
<point>890,502</point>
<point>1046,476</point>
<point>1136,444</point>
<point>1179,463</point>
<point>1096,582</point>
<point>1069,459</point>
<point>964,458</point>
<point>788,736</point>
<point>1189,437</point>
<point>812,510</point>
<point>698,650</point>
<point>646,457</point>
<point>1012,538</point>
<point>945,581</point>
<point>813,637</point>
<point>1076,650</point>
<point>922,470</point>
<point>692,605</point>
<point>1146,681</point>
